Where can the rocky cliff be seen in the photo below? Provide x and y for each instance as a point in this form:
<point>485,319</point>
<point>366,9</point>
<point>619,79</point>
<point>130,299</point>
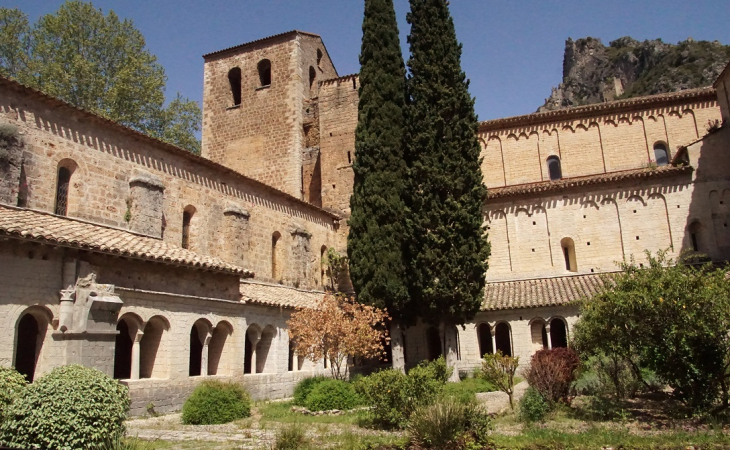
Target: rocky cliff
<point>594,73</point>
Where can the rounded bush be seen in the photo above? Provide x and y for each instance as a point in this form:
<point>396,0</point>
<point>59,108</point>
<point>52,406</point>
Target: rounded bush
<point>449,424</point>
<point>12,384</point>
<point>533,406</point>
<point>304,387</point>
<point>215,402</point>
<point>73,407</point>
<point>332,394</point>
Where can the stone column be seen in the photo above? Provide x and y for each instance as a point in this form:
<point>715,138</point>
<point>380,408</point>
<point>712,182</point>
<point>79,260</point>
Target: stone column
<point>295,362</point>
<point>254,344</point>
<point>136,355</point>
<point>204,356</point>
<point>547,332</point>
<point>493,332</point>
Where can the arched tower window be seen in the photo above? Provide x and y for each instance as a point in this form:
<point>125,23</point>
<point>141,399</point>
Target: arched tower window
<point>319,58</point>
<point>265,72</point>
<point>322,264</point>
<point>62,185</point>
<point>695,230</point>
<point>234,78</point>
<point>312,76</point>
<point>569,254</point>
<point>553,163</point>
<point>661,154</point>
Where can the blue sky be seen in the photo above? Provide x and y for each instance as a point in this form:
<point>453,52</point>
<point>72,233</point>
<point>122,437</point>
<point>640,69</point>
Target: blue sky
<point>513,50</point>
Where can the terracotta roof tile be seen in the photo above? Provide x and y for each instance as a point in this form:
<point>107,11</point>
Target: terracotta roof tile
<point>646,102</point>
<point>565,183</point>
<point>277,295</point>
<point>540,292</point>
<point>47,228</point>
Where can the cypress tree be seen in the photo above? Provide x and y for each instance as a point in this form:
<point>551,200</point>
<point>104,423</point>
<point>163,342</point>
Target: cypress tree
<point>447,244</point>
<point>376,237</point>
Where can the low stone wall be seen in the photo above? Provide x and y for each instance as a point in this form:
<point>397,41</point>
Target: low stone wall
<point>169,395</point>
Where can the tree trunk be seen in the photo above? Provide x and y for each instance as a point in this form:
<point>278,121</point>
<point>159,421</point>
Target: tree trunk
<point>396,347</point>
<point>450,350</point>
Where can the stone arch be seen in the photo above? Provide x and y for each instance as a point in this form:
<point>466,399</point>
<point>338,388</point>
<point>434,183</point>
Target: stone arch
<point>661,154</point>
<point>265,351</point>
<point>253,336</point>
<point>152,352</point>
<point>503,338</point>
<point>558,332</point>
<point>30,333</point>
<point>218,355</point>
<point>199,339</point>
<point>129,326</point>
<point>538,333</point>
<point>484,336</point>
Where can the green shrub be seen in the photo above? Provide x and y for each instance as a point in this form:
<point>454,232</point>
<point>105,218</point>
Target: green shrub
<point>533,406</point>
<point>332,394</point>
<point>394,396</point>
<point>71,407</point>
<point>552,372</point>
<point>304,387</point>
<point>216,402</point>
<point>12,384</point>
<point>291,437</point>
<point>466,390</point>
<point>449,424</point>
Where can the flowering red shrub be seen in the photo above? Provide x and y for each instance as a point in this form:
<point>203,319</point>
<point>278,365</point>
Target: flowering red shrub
<point>551,373</point>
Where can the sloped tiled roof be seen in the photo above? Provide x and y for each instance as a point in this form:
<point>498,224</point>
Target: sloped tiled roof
<point>267,294</point>
<point>37,226</point>
<point>257,41</point>
<point>565,183</point>
<point>616,106</point>
<point>540,292</point>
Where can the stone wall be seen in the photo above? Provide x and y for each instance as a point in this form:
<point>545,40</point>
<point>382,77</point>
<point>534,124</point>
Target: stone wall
<point>118,175</point>
<point>263,136</point>
<point>589,142</point>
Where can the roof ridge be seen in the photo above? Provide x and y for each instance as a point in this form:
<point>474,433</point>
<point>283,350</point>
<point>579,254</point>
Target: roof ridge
<point>256,41</point>
<point>549,116</point>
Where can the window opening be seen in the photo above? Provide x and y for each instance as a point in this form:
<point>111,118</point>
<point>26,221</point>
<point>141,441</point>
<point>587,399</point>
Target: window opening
<point>22,188</point>
<point>319,58</point>
<point>26,354</point>
<point>234,78</point>
<point>485,339</point>
<point>569,254</point>
<point>502,338</point>
<point>554,169</point>
<point>123,352</point>
<point>558,334</point>
<point>433,341</point>
<point>312,76</point>
<point>694,231</point>
<point>186,229</point>
<point>265,72</point>
<point>64,179</point>
<point>275,263</point>
<point>660,154</point>
<point>196,352</point>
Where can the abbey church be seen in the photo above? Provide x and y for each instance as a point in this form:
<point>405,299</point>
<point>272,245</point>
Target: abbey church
<point>163,268</point>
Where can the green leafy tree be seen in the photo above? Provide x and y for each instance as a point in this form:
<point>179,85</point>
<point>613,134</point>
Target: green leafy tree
<point>500,370</point>
<point>377,231</point>
<point>99,63</point>
<point>667,316</point>
<point>448,249</point>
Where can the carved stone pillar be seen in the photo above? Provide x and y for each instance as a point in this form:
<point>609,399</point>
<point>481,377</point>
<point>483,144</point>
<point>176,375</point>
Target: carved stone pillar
<point>204,356</point>
<point>549,340</point>
<point>493,332</point>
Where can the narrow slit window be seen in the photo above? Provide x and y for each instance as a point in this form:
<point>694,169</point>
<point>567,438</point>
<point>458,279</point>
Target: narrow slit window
<point>660,154</point>
<point>265,72</point>
<point>234,78</point>
<point>554,169</point>
<point>186,229</point>
<point>319,58</point>
<point>568,246</point>
<point>312,77</point>
<point>64,180</point>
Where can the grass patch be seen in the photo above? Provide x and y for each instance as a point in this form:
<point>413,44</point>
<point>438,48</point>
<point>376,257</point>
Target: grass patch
<point>281,412</point>
<point>538,438</point>
<point>467,389</point>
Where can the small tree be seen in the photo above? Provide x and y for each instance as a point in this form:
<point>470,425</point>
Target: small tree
<point>551,373</point>
<point>500,369</point>
<point>338,328</point>
<point>667,316</point>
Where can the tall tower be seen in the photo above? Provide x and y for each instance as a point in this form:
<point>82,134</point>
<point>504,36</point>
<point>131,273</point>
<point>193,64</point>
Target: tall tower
<point>258,108</point>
